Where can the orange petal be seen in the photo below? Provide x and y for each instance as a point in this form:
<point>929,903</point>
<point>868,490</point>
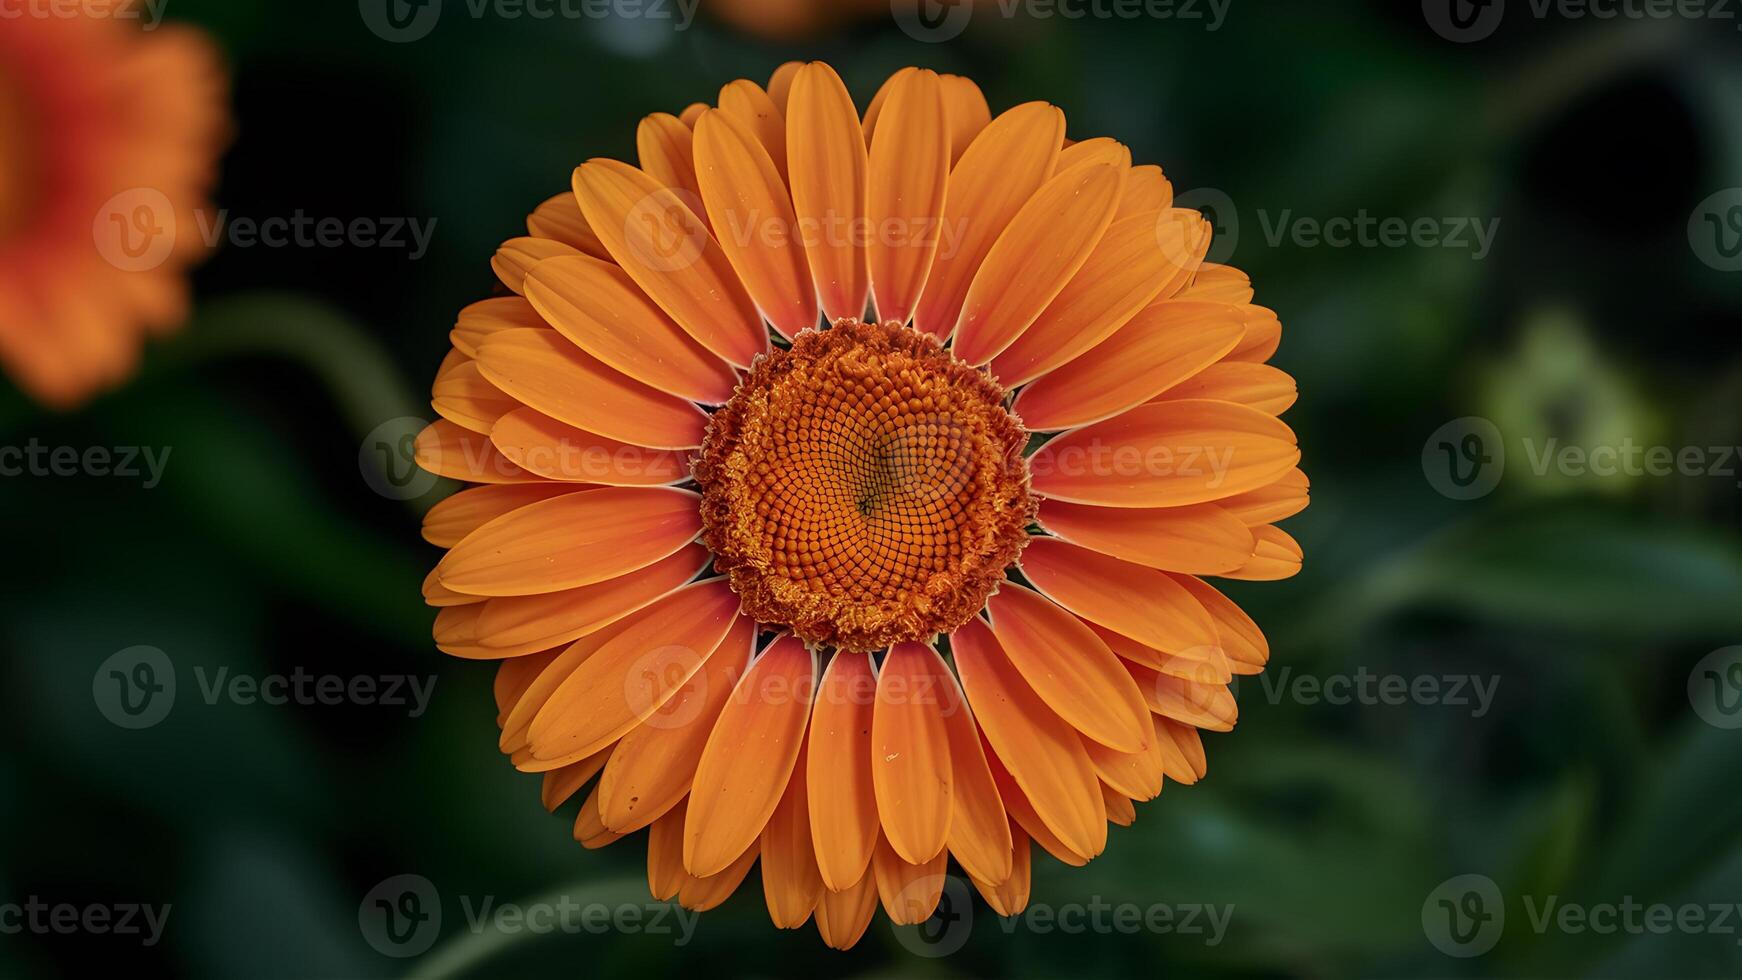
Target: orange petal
<point>702,894</point>
<point>540,444</point>
<point>1263,336</point>
<point>910,168</point>
<point>1009,896</point>
<point>979,827</point>
<point>560,784</point>
<point>966,110</point>
<point>1283,499</point>
<point>1119,808</point>
<point>655,764</point>
<point>749,757</point>
<point>791,884</point>
<point>1204,664</point>
<point>1239,637</point>
<point>1219,284</point>
<point>1101,149</point>
<point>548,373</point>
<point>462,396</point>
<point>1147,191</point>
<point>633,673</point>
<point>449,521</point>
<point>667,250</point>
<point>665,146</point>
<point>911,752</point>
<point>573,540</point>
<point>1006,164</point>
<point>517,722</point>
<point>1024,815</point>
<point>596,305</point>
<point>1166,455</point>
<point>1182,751</point>
<point>910,891</point>
<point>511,626</point>
<point>559,219</point>
<point>843,915</point>
<point>588,830</point>
<point>780,83</point>
<point>753,220</point>
<point>1131,600</point>
<point>1200,540</point>
<point>843,800</point>
<point>516,257</point>
<point>1258,385</point>
<point>514,676</point>
<point>1136,775</point>
<point>1045,245</point>
<point>435,594</point>
<point>755,108</point>
<point>1126,270</point>
<point>1207,706</point>
<point>1159,348</point>
<point>828,166</point>
<point>458,453</point>
<point>665,873</point>
<point>1044,754</point>
<point>1278,557</point>
<point>692,112</point>
<point>1068,666</point>
<point>485,317</point>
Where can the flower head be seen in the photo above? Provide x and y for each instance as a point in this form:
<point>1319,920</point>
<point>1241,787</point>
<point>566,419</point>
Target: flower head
<point>846,491</point>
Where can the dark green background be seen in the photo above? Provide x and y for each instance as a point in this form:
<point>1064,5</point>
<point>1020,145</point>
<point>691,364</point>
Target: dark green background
<point>1326,826</point>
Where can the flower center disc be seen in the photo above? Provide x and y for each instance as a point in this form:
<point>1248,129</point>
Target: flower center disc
<point>864,487</point>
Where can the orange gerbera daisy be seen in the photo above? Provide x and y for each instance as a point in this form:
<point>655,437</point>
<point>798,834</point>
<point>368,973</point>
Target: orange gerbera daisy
<point>108,135</point>
<point>853,597</point>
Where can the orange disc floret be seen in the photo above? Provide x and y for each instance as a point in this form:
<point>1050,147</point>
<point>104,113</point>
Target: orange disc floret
<point>864,487</point>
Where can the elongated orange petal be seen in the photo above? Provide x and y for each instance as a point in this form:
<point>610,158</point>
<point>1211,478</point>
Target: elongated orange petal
<point>516,257</point>
<point>667,250</point>
<point>749,757</point>
<point>1182,751</point>
<point>541,445</point>
<point>1134,774</point>
<point>1028,820</point>
<point>1219,284</point>
<point>485,317</point>
<point>1283,499</point>
<point>1202,539</point>
<point>1043,753</point>
<point>1101,149</point>
<point>1278,557</point>
<point>633,673</point>
<point>1006,164</point>
<point>514,676</point>
<point>458,453</point>
<point>702,894</point>
<point>1132,600</point>
<point>548,373</point>
<point>1263,336</point>
<point>692,112</point>
<point>574,540</point>
<point>755,108</point>
<point>1205,664</point>
<point>1239,636</point>
<point>1046,243</point>
<point>1120,810</point>
<point>979,827</point>
<point>1009,896</point>
<point>1147,191</point>
<point>843,800</point>
<point>780,83</point>
<point>1259,385</point>
<point>750,210</point>
<point>560,784</point>
<point>910,767</point>
<point>459,515</point>
<point>435,594</point>
<point>560,219</point>
<point>596,305</point>
<point>517,722</point>
<point>1208,706</point>
<point>910,890</point>
<point>1159,348</point>
<point>665,873</point>
<point>1068,666</point>
<point>843,914</point>
<point>1166,455</point>
<point>588,830</point>
<point>655,763</point>
<point>828,167</point>
<point>1124,272</point>
<point>512,626</point>
<point>462,396</point>
<point>910,169</point>
<point>791,884</point>
<point>967,111</point>
<point>665,146</point>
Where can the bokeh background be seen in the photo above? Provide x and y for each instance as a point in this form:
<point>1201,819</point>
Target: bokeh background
<point>1596,609</point>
